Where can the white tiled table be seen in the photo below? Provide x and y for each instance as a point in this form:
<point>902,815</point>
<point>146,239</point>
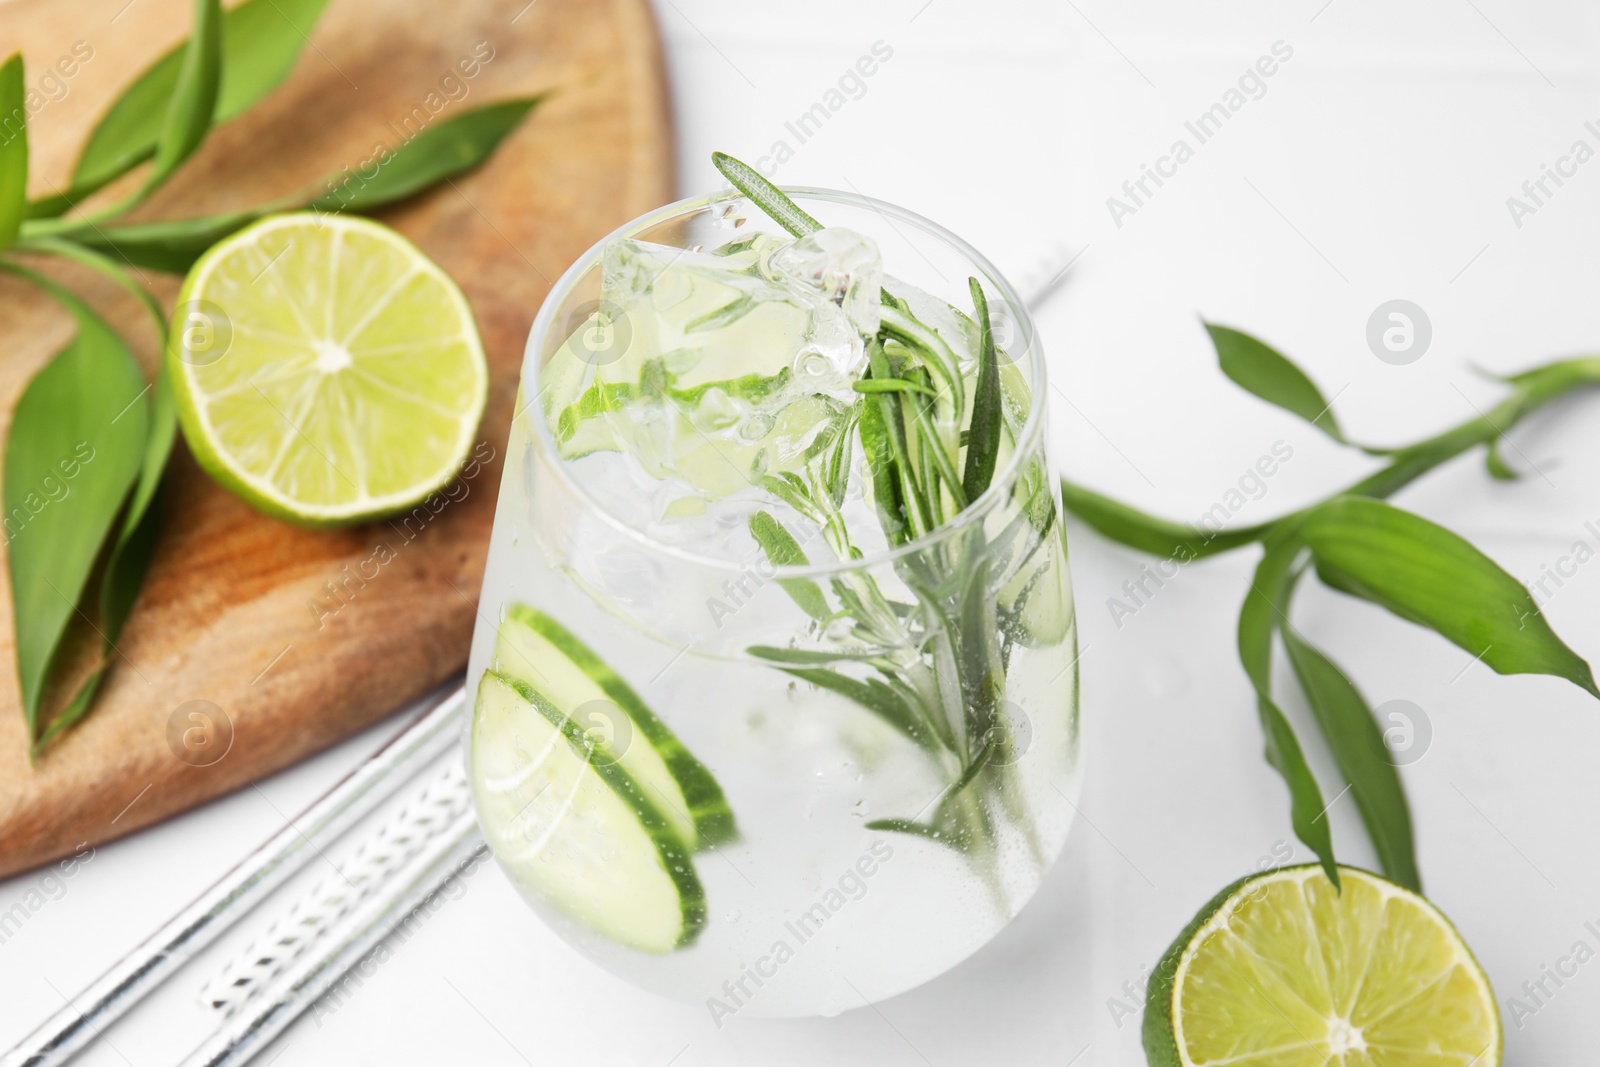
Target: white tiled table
<point>1376,165</point>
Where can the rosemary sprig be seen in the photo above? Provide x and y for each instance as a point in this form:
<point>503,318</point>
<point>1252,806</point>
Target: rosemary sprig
<point>983,436</point>
<point>764,195</point>
<point>940,661</point>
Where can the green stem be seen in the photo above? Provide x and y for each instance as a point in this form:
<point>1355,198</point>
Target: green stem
<point>911,496</point>
<point>936,353</point>
<point>1532,390</point>
<point>41,229</point>
<point>104,266</point>
<point>890,385</point>
<point>36,229</point>
<point>941,459</point>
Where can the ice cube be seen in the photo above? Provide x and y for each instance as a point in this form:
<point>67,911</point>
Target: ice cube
<point>712,318</point>
<point>842,265</point>
<point>716,367</point>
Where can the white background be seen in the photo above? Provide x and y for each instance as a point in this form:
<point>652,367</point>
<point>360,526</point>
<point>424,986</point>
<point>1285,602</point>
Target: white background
<point>1376,166</point>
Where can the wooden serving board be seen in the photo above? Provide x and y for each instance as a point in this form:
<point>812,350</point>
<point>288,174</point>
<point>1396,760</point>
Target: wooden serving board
<point>238,609</point>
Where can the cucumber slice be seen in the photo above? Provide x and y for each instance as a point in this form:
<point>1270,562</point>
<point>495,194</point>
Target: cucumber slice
<point>572,826</point>
<point>538,651</point>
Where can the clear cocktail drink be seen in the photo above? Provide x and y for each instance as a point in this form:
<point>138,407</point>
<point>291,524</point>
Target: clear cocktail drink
<point>776,667</point>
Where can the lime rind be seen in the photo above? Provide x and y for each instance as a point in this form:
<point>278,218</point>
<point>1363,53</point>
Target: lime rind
<point>355,378</point>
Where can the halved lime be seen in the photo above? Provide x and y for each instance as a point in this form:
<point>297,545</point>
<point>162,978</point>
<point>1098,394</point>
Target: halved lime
<point>324,369</point>
<point>1282,970</point>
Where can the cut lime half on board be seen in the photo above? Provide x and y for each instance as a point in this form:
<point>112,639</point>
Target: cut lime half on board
<point>1282,970</point>
<point>325,370</point>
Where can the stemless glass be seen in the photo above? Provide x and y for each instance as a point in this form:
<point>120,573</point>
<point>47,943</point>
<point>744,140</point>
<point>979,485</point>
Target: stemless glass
<point>801,824</point>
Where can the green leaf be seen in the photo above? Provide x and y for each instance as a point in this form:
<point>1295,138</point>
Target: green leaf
<point>908,495</point>
<point>784,551</point>
<point>442,151</point>
<point>73,449</point>
<point>980,664</point>
<point>1265,607</point>
<point>129,560</point>
<point>890,385</point>
<point>872,694</point>
<point>789,488</point>
<point>808,656</point>
<point>879,451</point>
<point>946,825</point>
<point>261,40</point>
<point>986,752</point>
<point>1270,375</point>
<point>836,468</point>
<point>1159,537</point>
<point>68,716</point>
<point>931,349</point>
<point>48,207</point>
<point>130,554</point>
<point>932,450</point>
<point>764,195</point>
<point>1427,575</point>
<point>172,247</point>
<point>13,149</point>
<point>1356,741</point>
<point>983,435</point>
<point>194,95</point>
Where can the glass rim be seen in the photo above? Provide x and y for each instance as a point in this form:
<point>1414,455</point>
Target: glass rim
<point>974,512</point>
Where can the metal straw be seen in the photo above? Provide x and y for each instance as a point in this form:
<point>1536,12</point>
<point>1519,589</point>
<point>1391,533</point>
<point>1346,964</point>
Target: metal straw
<point>380,859</point>
<point>67,1032</point>
<point>312,974</point>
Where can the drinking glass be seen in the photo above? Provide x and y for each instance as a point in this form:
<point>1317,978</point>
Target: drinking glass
<point>773,787</point>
